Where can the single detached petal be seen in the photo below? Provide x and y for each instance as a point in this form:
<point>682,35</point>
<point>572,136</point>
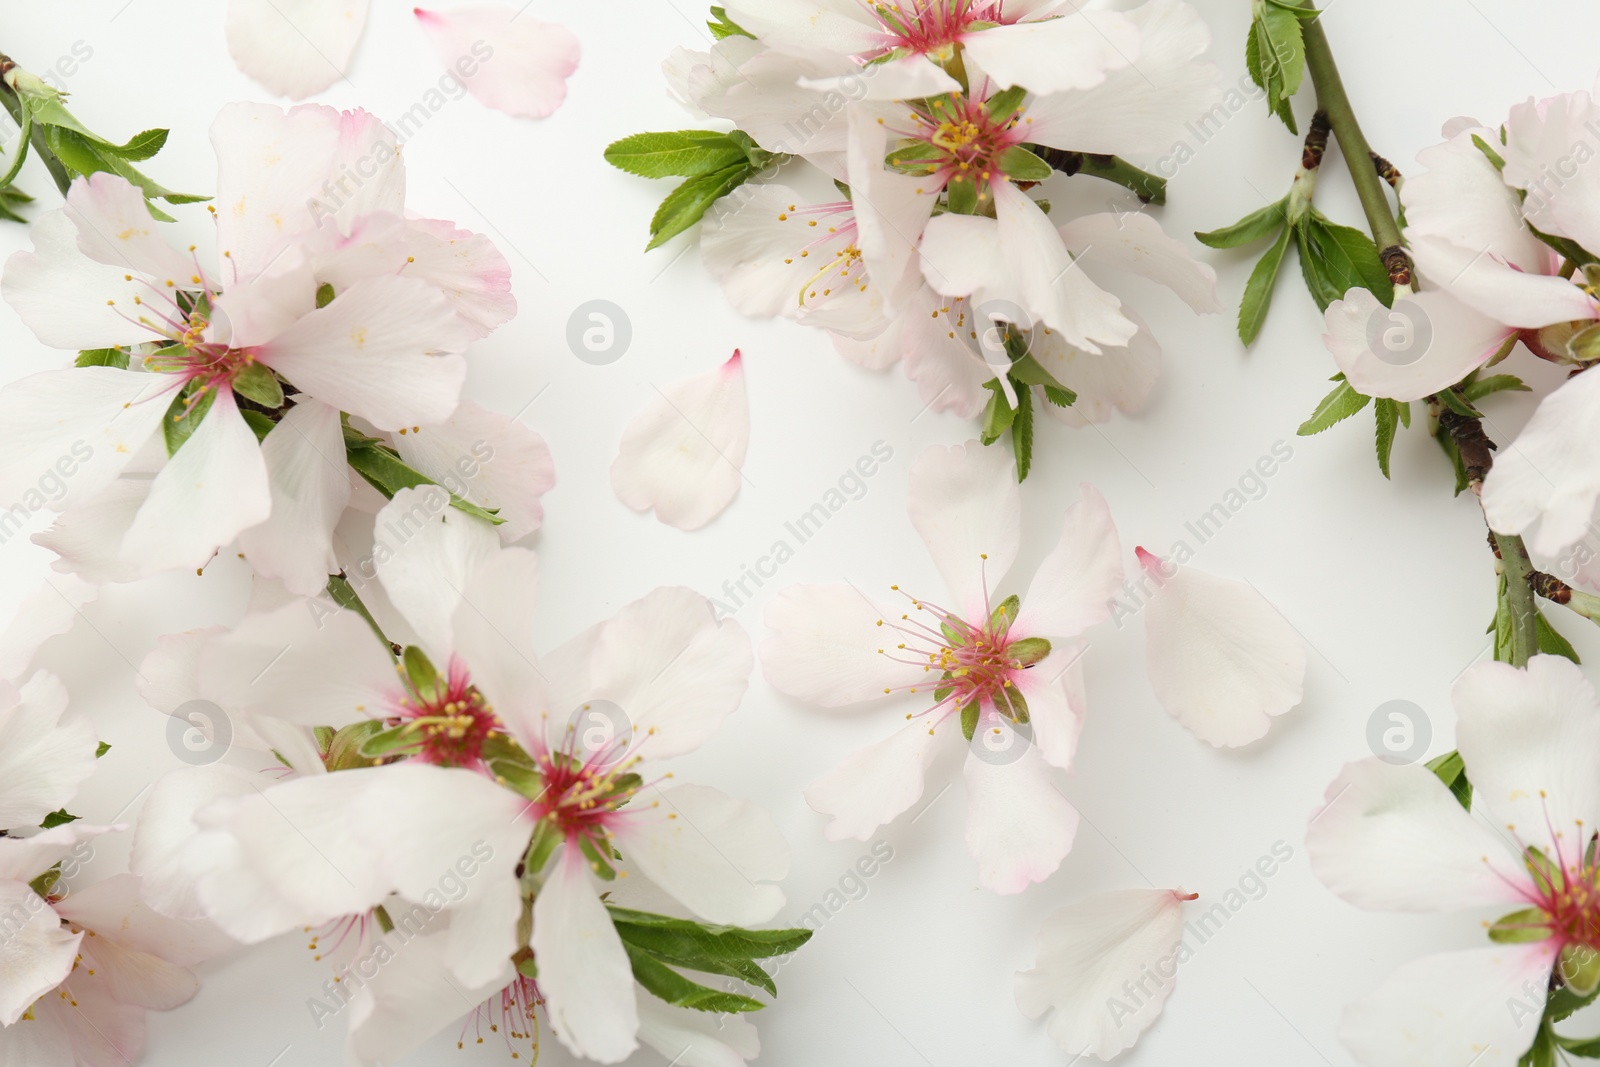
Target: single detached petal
<point>965,503</point>
<point>310,485</point>
<point>211,490</point>
<point>295,47</point>
<point>831,645</point>
<point>429,552</point>
<point>876,783</point>
<point>488,458</point>
<point>506,58</point>
<point>1547,481</point>
<point>1074,586</point>
<point>387,349</point>
<point>1394,838</point>
<point>1056,55</point>
<point>1134,242</point>
<point>1221,659</point>
<point>80,427</point>
<point>584,972</point>
<point>1426,342</point>
<point>1089,952</point>
<point>1141,108</point>
<point>1019,826</point>
<point>1530,740</point>
<point>717,855</point>
<point>682,455</point>
<point>42,761</point>
<point>1453,1008</point>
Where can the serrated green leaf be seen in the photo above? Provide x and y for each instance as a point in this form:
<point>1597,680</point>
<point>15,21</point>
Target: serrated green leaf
<point>1059,396</point>
<point>1479,388</point>
<point>141,146</point>
<point>1286,48</point>
<point>1458,404</point>
<point>1388,415</point>
<point>57,818</point>
<point>998,415</point>
<point>1336,259</point>
<point>672,987</point>
<point>686,204</point>
<point>682,153</point>
<point>386,472</point>
<point>1551,643</point>
<point>1022,430</point>
<point>1258,290</point>
<point>1253,227</point>
<point>709,939</point>
<point>722,27</point>
<point>1337,406</point>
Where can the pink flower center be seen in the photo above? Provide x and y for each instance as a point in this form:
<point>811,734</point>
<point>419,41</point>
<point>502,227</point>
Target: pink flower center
<point>512,1013</point>
<point>974,662</point>
<point>826,237</point>
<point>583,791</point>
<point>1570,896</point>
<point>447,723</point>
<point>924,26</point>
<point>960,141</point>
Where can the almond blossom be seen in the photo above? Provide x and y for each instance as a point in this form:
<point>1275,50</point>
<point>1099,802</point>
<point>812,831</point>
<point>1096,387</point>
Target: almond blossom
<point>323,301</point>
<point>482,757</point>
<point>1395,838</point>
<point>1003,672</point>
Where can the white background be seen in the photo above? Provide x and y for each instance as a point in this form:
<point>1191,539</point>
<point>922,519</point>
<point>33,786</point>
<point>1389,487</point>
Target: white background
<point>1390,583</point>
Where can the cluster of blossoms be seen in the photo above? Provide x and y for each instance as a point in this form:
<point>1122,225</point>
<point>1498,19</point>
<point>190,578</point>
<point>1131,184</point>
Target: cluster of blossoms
<point>943,122</point>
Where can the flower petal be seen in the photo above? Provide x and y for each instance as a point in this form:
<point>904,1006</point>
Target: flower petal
<point>715,854</point>
<point>1074,586</point>
<point>42,760</point>
<point>1453,1008</point>
<point>1019,826</point>
<point>387,349</point>
<point>827,646</point>
<point>467,268</point>
<point>48,611</point>
<point>584,972</point>
<point>115,228</point>
<point>487,458</point>
<point>493,627</point>
<point>682,454</point>
<point>1426,342</point>
<point>1134,242</point>
<point>429,552</point>
<point>295,47</point>
<point>1500,290</point>
<point>877,783</point>
<point>1530,740</point>
<point>411,998</point>
<point>1546,483</point>
<point>211,490</point>
<point>891,210</point>
<point>692,1038</point>
<point>1221,659</point>
<point>67,299</point>
<point>1089,953</point>
<point>1463,199</point>
<point>36,954</point>
<point>310,486</point>
<point>166,827</point>
<point>524,72</point>
<point>964,501</point>
<point>1053,688</point>
<point>1056,55</point>
<point>1394,838</point>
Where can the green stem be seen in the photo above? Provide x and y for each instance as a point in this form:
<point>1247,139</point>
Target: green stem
<point>344,594</point>
<point>1149,188</point>
<point>1332,98</point>
<point>1519,597</point>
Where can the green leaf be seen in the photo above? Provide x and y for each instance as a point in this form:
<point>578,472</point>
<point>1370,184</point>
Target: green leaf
<point>1388,413</point>
<point>675,989</point>
<point>1258,290</point>
<point>1029,371</point>
<point>259,422</point>
<point>141,146</point>
<point>1253,227</point>
<point>1022,165</point>
<point>1337,406</point>
<point>1336,259</point>
<point>386,472</point>
<point>689,939</point>
<point>1004,104</point>
<point>56,818</point>
<point>1479,388</point>
<point>999,414</point>
<point>1494,157</point>
<point>1404,407</point>
<point>182,419</point>
<point>84,156</point>
<point>1502,624</point>
<point>1059,396</point>
<point>961,195</point>
<point>686,153</point>
<point>1029,650</point>
<point>1458,404</point>
<point>1520,927</point>
<point>686,204</point>
<point>257,382</point>
<point>1022,430</point>
<point>1587,1047</point>
<point>420,671</point>
<point>1563,1002</point>
<point>101,749</point>
<point>1551,643</point>
<point>325,295</point>
<point>103,357</point>
<point>1287,49</point>
<point>1453,772</point>
<point>721,26</point>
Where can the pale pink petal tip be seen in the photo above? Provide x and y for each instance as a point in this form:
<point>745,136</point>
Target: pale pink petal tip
<point>513,64</point>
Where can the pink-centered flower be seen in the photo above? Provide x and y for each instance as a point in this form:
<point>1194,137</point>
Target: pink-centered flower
<point>1395,838</point>
<point>321,298</point>
<point>356,829</point>
<point>1001,670</point>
